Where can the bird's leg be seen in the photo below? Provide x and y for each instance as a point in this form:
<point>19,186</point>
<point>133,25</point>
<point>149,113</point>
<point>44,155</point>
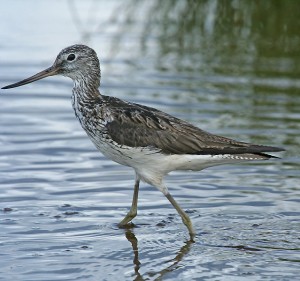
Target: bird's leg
<point>185,218</point>
<point>133,210</point>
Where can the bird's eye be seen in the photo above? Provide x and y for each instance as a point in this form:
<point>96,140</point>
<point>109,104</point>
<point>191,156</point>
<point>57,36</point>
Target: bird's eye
<point>71,57</point>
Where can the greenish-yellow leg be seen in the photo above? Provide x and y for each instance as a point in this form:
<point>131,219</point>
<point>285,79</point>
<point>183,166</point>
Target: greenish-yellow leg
<point>133,210</point>
<point>185,218</point>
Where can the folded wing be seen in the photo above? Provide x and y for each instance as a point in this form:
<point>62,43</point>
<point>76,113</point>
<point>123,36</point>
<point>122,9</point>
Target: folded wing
<point>140,126</point>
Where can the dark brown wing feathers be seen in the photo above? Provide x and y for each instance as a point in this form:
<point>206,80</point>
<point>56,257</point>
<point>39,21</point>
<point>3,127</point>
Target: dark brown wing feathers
<point>140,126</point>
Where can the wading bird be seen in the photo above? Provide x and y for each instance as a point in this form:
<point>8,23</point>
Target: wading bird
<point>150,141</point>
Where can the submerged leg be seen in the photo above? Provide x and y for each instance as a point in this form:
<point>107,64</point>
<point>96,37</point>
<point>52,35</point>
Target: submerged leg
<point>133,210</point>
<point>185,218</point>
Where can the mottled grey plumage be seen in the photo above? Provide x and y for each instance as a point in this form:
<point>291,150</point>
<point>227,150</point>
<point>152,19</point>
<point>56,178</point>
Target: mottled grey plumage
<point>140,126</point>
<point>150,141</point>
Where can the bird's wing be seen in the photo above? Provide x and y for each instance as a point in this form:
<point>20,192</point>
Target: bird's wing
<point>135,125</point>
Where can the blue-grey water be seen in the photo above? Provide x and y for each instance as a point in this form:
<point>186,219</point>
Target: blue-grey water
<point>229,67</point>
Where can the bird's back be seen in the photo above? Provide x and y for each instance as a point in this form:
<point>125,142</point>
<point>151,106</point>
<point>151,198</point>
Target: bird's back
<point>137,126</point>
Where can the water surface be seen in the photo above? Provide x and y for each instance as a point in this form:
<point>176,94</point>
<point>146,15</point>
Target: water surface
<point>229,71</point>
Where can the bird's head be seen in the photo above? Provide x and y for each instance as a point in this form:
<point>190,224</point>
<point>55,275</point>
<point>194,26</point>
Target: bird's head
<point>78,62</point>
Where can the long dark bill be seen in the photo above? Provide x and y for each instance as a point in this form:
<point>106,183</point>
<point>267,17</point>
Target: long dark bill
<point>52,70</point>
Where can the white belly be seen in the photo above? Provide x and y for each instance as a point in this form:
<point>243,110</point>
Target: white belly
<point>152,166</point>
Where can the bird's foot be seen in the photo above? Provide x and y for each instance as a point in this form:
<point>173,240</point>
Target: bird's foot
<point>128,218</point>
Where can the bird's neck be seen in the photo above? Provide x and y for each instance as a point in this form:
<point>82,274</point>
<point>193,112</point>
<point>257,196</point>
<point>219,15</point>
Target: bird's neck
<point>85,96</point>
<point>85,91</point>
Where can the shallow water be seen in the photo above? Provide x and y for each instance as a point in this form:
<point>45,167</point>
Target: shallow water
<point>61,200</point>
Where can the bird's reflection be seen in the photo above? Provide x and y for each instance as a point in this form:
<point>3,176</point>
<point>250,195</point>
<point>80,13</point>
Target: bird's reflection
<point>182,252</point>
<point>134,244</point>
